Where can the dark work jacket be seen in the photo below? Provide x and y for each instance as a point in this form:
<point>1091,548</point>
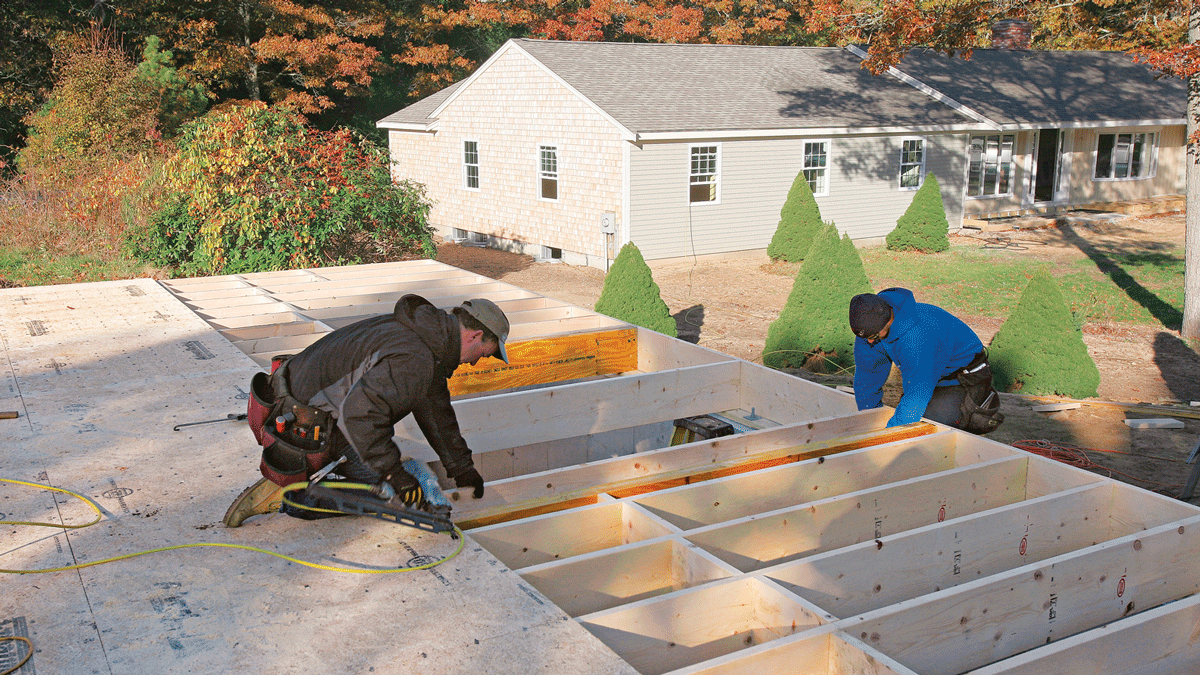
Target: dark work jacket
<point>373,373</point>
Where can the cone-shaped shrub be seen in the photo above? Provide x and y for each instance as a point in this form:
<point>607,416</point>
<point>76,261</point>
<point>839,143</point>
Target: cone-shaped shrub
<point>631,295</point>
<point>813,330</point>
<point>1039,350</point>
<point>799,223</point>
<point>923,227</point>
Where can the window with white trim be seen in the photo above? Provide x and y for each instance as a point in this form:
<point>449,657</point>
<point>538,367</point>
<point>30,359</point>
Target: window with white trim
<point>703,180</point>
<point>990,172</point>
<point>471,165</point>
<point>816,163</point>
<point>912,163</point>
<point>548,172</point>
<point>1125,156</point>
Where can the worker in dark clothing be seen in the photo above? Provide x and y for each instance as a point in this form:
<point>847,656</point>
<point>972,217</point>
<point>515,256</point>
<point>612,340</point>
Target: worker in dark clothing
<point>361,380</point>
<point>943,364</point>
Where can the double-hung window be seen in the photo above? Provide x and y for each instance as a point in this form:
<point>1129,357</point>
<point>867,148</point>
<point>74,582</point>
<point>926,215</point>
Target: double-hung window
<point>990,172</point>
<point>704,179</point>
<point>548,172</point>
<point>1125,156</point>
<point>912,163</point>
<point>816,166</point>
<point>471,165</point>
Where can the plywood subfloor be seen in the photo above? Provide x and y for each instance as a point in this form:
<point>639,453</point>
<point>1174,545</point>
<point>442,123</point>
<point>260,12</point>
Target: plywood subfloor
<point>100,373</point>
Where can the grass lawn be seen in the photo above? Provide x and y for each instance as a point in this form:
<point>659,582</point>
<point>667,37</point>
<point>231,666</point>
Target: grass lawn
<point>29,267</point>
<point>1143,289</point>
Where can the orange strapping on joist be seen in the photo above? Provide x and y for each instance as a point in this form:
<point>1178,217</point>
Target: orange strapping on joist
<point>551,359</point>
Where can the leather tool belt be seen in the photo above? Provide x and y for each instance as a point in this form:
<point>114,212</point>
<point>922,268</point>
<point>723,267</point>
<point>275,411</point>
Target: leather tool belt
<point>295,437</point>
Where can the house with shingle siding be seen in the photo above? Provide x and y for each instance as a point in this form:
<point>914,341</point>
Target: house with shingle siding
<point>568,150</point>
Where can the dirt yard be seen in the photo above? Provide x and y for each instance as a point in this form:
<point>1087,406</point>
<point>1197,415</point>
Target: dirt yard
<point>727,305</point>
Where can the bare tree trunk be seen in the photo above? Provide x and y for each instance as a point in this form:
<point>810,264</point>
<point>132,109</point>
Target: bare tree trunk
<point>1191,277</point>
<point>252,86</point>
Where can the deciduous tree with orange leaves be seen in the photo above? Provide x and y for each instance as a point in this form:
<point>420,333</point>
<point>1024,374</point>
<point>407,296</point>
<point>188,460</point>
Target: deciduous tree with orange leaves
<point>305,53</point>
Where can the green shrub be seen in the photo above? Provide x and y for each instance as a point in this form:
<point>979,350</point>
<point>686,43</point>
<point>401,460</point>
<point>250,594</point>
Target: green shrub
<point>813,330</point>
<point>1039,349</point>
<point>253,189</point>
<point>631,295</point>
<point>99,107</point>
<point>923,227</point>
<point>799,223</point>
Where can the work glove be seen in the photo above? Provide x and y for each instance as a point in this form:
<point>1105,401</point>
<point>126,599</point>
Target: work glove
<point>470,478</point>
<point>402,486</point>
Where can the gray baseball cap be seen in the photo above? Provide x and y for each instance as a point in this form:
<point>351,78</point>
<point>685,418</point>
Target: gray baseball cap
<point>490,315</point>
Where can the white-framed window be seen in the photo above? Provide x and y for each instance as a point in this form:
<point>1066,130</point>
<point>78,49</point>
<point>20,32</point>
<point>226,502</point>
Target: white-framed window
<point>548,172</point>
<point>1126,156</point>
<point>990,172</point>
<point>470,164</point>
<point>912,163</point>
<point>704,177</point>
<point>816,166</point>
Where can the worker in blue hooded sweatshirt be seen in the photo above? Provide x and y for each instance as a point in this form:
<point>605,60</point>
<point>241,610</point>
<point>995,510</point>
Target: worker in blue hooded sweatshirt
<point>943,364</point>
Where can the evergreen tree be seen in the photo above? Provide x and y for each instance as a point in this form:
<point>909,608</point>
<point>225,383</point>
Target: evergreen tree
<point>178,99</point>
<point>631,295</point>
<point>923,227</point>
<point>1039,350</point>
<point>799,223</point>
<point>813,330</point>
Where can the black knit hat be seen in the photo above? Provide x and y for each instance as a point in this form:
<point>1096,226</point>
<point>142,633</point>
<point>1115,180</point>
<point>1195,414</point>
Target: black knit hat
<point>869,313</point>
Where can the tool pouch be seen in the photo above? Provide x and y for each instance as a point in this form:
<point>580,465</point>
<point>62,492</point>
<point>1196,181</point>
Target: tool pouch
<point>979,412</point>
<point>287,459</point>
<point>302,446</point>
<point>262,398</point>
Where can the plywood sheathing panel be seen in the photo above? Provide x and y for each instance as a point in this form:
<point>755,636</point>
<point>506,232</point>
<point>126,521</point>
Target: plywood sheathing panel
<point>102,373</point>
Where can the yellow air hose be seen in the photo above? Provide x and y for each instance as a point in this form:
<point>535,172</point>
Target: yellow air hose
<point>290,488</point>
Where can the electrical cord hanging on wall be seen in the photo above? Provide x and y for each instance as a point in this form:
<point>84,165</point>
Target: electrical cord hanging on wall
<point>291,488</point>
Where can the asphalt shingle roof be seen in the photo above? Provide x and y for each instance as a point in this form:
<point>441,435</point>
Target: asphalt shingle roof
<point>666,88</point>
<point>1047,87</point>
<point>652,87</point>
<point>418,113</point>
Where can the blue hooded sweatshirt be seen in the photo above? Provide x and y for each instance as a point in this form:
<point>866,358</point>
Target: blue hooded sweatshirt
<point>926,342</point>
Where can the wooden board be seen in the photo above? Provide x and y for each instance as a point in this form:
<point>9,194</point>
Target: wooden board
<point>563,357</point>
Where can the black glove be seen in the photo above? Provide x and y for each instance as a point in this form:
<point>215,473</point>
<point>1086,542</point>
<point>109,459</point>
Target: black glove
<point>401,485</point>
<point>470,478</point>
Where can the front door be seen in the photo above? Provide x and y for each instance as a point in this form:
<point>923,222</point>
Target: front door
<point>1047,153</point>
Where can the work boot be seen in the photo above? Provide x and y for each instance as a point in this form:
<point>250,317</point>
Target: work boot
<point>262,497</point>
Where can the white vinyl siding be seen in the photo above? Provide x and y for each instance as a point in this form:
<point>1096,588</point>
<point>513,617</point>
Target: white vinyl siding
<point>863,200</point>
<point>816,166</point>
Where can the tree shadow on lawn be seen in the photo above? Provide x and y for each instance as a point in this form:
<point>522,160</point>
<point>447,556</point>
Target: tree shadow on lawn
<point>1167,315</point>
<point>688,323</point>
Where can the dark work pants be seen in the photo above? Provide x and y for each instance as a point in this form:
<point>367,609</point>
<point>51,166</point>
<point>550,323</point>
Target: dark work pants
<point>353,470</point>
<point>945,404</point>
